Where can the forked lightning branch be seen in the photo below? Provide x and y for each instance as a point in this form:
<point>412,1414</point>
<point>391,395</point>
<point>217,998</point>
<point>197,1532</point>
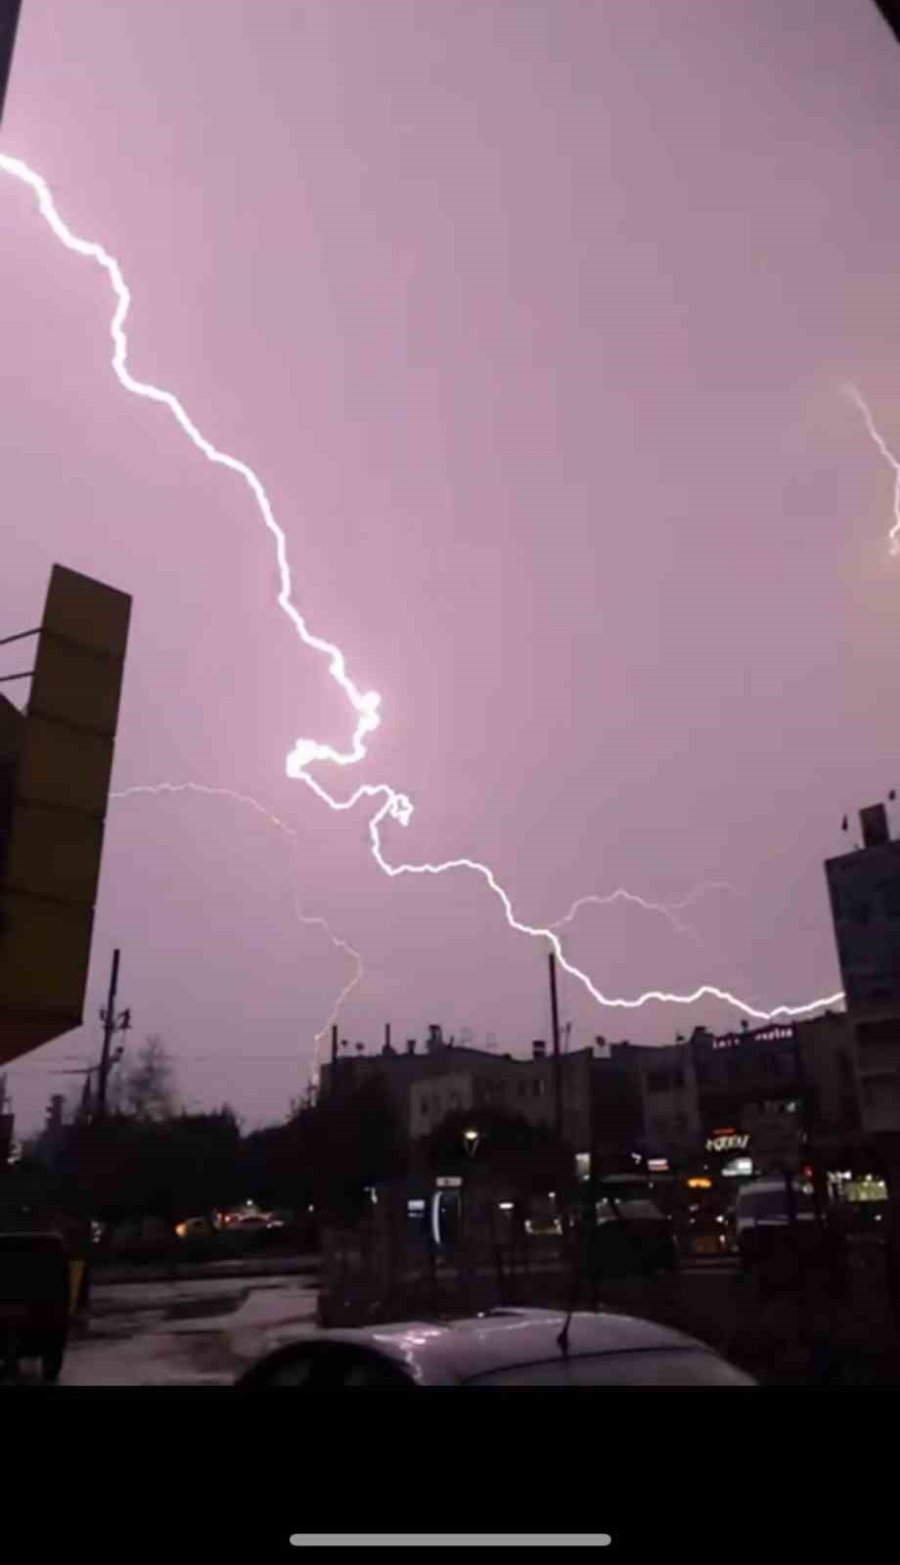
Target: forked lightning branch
<point>366,705</point>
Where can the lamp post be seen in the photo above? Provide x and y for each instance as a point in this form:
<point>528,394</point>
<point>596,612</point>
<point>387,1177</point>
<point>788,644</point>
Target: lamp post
<point>471,1138</point>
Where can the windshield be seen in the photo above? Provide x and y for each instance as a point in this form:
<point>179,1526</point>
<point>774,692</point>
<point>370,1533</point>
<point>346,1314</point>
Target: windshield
<point>631,1207</point>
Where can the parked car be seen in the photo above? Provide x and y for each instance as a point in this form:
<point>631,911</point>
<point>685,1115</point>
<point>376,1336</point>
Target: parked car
<point>762,1218</point>
<point>631,1233</point>
<point>503,1347</point>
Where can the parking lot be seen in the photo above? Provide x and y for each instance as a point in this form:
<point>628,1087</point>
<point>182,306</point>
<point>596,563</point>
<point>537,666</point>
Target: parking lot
<point>199,1332</point>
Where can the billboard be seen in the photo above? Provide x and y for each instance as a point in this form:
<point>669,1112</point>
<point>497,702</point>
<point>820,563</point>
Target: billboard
<point>56,759</point>
<point>9,21</point>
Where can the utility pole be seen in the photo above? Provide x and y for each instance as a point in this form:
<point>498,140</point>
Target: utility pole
<point>109,1027</point>
<point>557,1058</point>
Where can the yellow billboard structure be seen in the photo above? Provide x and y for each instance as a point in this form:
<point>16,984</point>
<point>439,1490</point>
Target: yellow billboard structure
<point>55,765</point>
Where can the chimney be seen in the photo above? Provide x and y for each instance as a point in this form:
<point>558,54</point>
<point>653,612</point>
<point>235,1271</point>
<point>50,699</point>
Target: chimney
<point>874,824</point>
<point>410,1045</point>
<point>539,1049</point>
<point>435,1038</point>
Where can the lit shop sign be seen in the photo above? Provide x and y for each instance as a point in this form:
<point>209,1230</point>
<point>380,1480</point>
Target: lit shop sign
<point>738,1168</point>
<point>448,1182</point>
<point>727,1141</point>
<point>658,1165</point>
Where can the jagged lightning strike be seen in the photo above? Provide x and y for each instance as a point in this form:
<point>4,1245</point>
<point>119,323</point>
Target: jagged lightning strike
<point>312,919</point>
<point>666,910</point>
<point>856,396</point>
<point>366,705</point>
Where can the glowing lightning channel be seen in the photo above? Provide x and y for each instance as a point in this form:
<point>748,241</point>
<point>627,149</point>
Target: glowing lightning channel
<point>395,806</point>
<point>311,919</point>
<point>705,991</point>
<point>856,396</point>
<point>666,910</point>
<point>365,704</point>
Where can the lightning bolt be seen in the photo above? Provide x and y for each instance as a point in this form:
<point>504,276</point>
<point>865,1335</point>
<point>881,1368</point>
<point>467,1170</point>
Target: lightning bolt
<point>366,705</point>
<point>666,910</point>
<point>856,396</point>
<point>310,919</point>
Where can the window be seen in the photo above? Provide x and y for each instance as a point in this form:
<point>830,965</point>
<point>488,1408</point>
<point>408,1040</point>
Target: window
<point>678,1077</point>
<point>640,1367</point>
<point>890,897</point>
<point>523,1088</point>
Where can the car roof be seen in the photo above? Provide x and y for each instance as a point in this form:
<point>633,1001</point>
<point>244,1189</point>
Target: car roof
<point>767,1186</point>
<point>448,1352</point>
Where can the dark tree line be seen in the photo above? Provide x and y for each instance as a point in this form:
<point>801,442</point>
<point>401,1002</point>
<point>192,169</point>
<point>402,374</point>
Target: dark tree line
<point>148,1158</point>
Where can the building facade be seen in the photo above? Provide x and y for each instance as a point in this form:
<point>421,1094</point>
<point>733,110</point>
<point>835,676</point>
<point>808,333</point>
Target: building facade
<point>761,1095</point>
<point>864,889</point>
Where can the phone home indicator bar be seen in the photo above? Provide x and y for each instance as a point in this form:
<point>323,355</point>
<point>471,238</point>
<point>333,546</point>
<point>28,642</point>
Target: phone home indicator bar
<point>454,1540</point>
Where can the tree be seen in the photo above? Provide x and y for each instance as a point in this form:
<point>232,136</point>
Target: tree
<point>507,1143</point>
<point>347,1141</point>
<point>145,1089</point>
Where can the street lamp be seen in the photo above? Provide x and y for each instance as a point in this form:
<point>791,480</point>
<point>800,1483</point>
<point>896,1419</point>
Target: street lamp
<point>471,1138</point>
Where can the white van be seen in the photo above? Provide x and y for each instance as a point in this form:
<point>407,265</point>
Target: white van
<point>762,1208</point>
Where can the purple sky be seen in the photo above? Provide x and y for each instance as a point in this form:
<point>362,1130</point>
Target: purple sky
<point>533,319</point>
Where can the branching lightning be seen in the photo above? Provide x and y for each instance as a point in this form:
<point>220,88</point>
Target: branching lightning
<point>366,705</point>
<point>314,920</point>
<point>666,910</point>
<point>857,397</point>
